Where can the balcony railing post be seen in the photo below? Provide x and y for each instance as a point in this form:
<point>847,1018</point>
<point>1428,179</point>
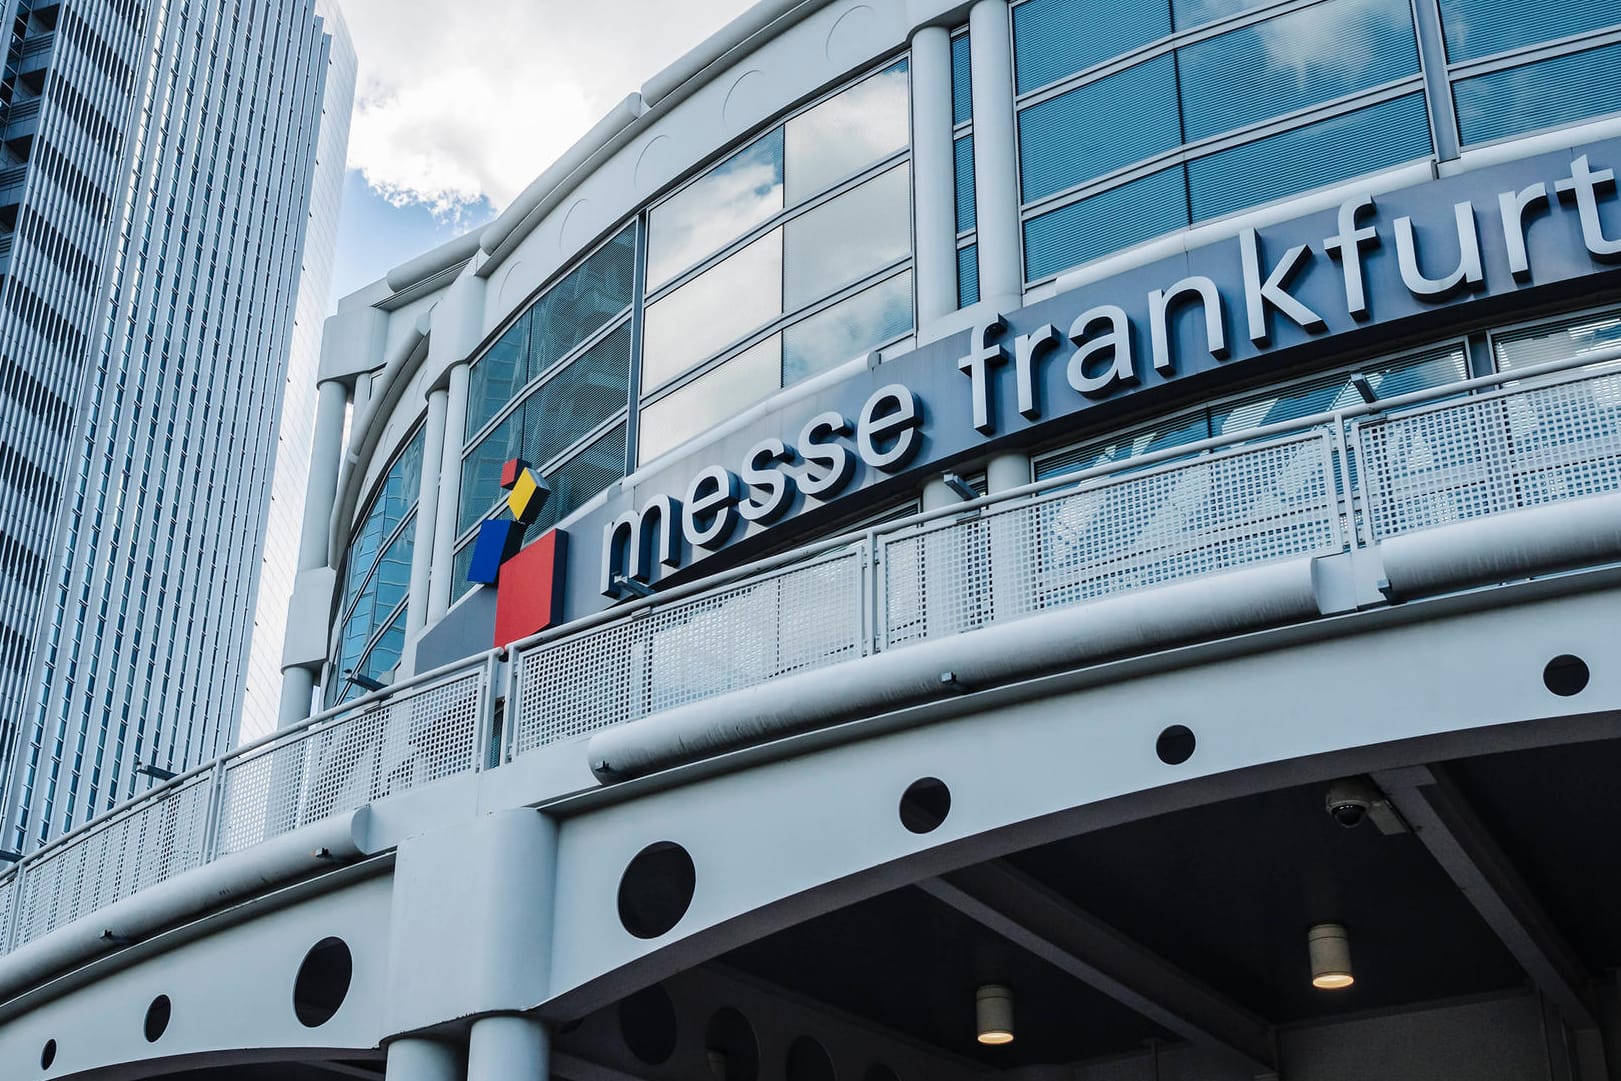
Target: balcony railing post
<point>510,719</point>
<point>872,595</point>
<point>486,737</point>
<point>216,810</point>
<point>19,886</point>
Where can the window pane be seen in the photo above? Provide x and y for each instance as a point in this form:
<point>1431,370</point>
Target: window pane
<point>845,239</point>
<point>1294,61</point>
<point>481,470</point>
<point>710,399</point>
<point>847,329</point>
<point>583,302</point>
<point>847,133</point>
<point>709,214</point>
<point>1476,28</point>
<point>461,565</point>
<point>968,275</point>
<point>962,97</point>
<point>597,465</point>
<point>1326,152</point>
<point>1190,13</point>
<point>1389,379</point>
<point>965,183</point>
<point>386,653</point>
<point>1174,432</point>
<point>1098,128</point>
<point>1055,38</point>
<point>1558,91</point>
<point>1572,338</point>
<point>497,375</point>
<point>1107,222</point>
<point>574,401</point>
<point>712,311</point>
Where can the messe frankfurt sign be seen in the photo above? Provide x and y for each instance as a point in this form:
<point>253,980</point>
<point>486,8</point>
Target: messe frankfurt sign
<point>1359,270</point>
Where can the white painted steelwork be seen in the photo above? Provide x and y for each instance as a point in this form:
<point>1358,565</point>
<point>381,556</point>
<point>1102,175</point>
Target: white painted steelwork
<point>1180,515</point>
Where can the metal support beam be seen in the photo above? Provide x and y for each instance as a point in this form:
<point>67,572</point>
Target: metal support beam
<point>1448,826</point>
<point>1028,914</point>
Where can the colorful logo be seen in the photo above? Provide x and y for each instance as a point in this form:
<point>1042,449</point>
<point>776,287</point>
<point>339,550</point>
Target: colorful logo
<point>528,578</point>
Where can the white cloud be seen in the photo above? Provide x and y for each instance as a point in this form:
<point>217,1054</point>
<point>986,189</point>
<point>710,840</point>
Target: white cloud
<point>462,101</point>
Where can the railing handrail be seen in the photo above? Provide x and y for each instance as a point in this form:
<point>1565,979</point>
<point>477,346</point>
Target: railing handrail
<point>485,664</point>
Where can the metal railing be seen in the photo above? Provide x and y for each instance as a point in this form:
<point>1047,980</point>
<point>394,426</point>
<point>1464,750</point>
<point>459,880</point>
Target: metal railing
<point>1316,485</point>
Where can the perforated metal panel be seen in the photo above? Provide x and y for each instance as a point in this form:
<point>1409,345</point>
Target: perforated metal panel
<point>144,844</point>
<point>358,756</point>
<point>1237,508</point>
<point>1480,456</point>
<point>8,907</point>
<point>791,620</point>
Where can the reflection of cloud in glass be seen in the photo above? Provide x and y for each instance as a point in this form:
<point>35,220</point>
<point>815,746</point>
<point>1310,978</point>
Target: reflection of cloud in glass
<point>1342,40</point>
<point>1191,13</point>
<point>713,310</point>
<point>710,399</point>
<point>847,329</point>
<point>848,238</point>
<point>842,135</point>
<point>736,195</point>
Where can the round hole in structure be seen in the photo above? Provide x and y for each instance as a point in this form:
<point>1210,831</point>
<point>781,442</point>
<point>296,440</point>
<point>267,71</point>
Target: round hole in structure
<point>879,1072</point>
<point>1566,675</point>
<point>808,1061</point>
<point>656,889</point>
<point>47,1055</point>
<point>647,1024</point>
<point>322,982</point>
<point>1175,745</point>
<point>730,1047</point>
<point>157,1018</point>
<point>925,804</point>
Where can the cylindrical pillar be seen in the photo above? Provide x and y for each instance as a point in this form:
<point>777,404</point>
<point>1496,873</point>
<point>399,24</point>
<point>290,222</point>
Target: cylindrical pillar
<point>508,1047</point>
<point>413,1059</point>
<point>1014,537</point>
<point>934,190</point>
<point>320,495</point>
<point>426,527</point>
<point>996,178</point>
<point>450,488</point>
<point>1007,471</point>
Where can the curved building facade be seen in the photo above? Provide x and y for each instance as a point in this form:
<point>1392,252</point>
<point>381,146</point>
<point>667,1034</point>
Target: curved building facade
<point>941,540</point>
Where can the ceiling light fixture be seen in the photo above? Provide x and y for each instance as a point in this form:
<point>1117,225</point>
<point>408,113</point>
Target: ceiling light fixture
<point>1330,952</point>
<point>993,1010</point>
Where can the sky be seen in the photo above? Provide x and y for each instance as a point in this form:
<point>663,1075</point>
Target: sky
<point>458,108</point>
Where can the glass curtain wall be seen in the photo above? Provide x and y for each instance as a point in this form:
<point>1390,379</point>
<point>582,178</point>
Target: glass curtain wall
<point>786,259</point>
<point>553,390</point>
<point>962,120</point>
<point>376,580</point>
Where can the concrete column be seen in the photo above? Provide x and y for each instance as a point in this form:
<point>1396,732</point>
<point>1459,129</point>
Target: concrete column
<point>427,527</point>
<point>996,178</point>
<point>937,493</point>
<point>450,488</point>
<point>320,495</point>
<point>1007,471</point>
<point>413,1059</point>
<point>508,1047</point>
<point>934,190</point>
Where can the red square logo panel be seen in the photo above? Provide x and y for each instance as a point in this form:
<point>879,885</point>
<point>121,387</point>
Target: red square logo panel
<point>530,598</point>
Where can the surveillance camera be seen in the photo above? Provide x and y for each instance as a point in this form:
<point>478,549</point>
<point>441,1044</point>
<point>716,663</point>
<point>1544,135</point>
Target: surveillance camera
<point>1350,799</point>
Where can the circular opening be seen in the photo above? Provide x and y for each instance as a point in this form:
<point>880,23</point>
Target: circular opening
<point>656,889</point>
<point>323,982</point>
<point>730,1047</point>
<point>925,804</point>
<point>48,1055</point>
<point>157,1018</point>
<point>879,1072</point>
<point>808,1061</point>
<point>1175,745</point>
<point>1565,675</point>
<point>647,1023</point>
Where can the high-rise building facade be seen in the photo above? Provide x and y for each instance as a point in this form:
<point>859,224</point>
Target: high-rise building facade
<point>161,159</point>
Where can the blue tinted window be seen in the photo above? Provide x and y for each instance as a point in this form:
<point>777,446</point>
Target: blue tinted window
<point>1476,28</point>
<point>1104,223</point>
<point>1055,38</point>
<point>962,96</point>
<point>497,375</point>
<point>967,275</point>
<point>1275,67</point>
<point>1558,91</point>
<point>582,303</point>
<point>1326,152</point>
<point>965,183</point>
<point>481,470</point>
<point>1191,13</point>
<point>1097,128</point>
<point>847,329</point>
